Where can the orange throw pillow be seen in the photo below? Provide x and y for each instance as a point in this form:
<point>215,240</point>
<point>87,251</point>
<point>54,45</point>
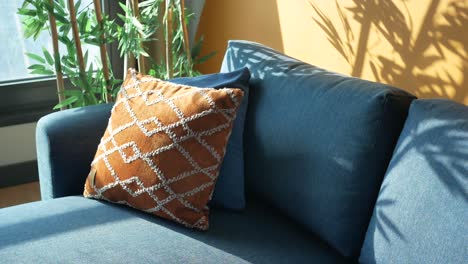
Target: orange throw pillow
<point>163,147</point>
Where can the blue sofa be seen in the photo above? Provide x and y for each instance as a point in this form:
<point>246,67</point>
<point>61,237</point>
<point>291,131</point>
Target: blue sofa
<point>338,170</point>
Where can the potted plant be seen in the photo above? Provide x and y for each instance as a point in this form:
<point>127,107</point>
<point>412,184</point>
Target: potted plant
<point>72,24</point>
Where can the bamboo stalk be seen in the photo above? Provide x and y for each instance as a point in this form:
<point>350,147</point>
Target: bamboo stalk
<point>76,38</point>
<point>103,50</point>
<point>169,39</point>
<point>129,59</point>
<point>141,58</point>
<point>129,62</point>
<point>58,66</point>
<point>185,31</point>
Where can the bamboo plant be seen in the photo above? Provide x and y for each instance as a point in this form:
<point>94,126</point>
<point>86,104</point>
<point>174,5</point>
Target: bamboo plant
<point>71,24</point>
<point>58,67</point>
<point>179,57</point>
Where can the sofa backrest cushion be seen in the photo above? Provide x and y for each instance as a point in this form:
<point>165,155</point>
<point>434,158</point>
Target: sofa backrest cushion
<point>421,212</point>
<point>317,143</point>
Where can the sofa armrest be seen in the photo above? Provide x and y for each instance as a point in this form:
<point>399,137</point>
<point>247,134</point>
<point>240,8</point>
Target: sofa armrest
<point>66,142</point>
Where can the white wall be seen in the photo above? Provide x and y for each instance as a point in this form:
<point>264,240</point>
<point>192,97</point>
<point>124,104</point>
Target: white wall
<point>17,144</point>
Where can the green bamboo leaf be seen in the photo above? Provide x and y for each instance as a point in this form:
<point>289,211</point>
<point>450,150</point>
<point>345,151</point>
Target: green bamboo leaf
<point>144,53</point>
<point>81,20</point>
<point>61,18</point>
<point>27,12</point>
<point>146,3</point>
<point>36,67</point>
<point>76,81</point>
<point>92,41</point>
<point>85,58</point>
<point>137,24</point>
<point>64,39</point>
<point>90,74</point>
<point>48,6</point>
<point>196,49</point>
<point>122,17</point>
<point>69,72</point>
<point>26,3</point>
<point>65,29</point>
<point>205,58</point>
<point>42,72</point>
<point>124,8</point>
<point>116,82</point>
<point>35,57</point>
<point>66,102</point>
<point>77,5</point>
<point>48,57</point>
<point>73,92</point>
<point>60,10</point>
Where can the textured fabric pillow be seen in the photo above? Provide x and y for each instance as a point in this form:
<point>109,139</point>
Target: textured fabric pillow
<point>163,147</point>
<point>229,192</point>
<point>422,210</point>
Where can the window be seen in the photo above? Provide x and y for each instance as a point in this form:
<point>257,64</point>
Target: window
<point>13,58</point>
<point>25,97</point>
<point>13,45</point>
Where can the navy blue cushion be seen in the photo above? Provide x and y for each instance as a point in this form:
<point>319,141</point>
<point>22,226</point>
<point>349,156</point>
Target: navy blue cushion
<point>317,142</point>
<point>422,209</point>
<point>229,191</point>
<point>80,230</point>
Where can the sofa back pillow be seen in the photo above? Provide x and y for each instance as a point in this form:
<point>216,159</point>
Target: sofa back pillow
<point>163,148</point>
<point>421,212</point>
<point>229,192</point>
<point>317,142</point>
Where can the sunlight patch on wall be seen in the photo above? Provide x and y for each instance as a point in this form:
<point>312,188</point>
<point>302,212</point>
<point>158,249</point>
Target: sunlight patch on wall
<point>416,45</point>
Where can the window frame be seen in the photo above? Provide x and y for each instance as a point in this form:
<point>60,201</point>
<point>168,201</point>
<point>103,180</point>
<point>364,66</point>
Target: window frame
<point>27,100</point>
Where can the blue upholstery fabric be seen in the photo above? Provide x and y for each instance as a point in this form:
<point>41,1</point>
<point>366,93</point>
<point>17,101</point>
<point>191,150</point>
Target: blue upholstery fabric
<point>66,142</point>
<point>317,142</point>
<point>80,230</point>
<point>422,209</point>
<point>229,191</point>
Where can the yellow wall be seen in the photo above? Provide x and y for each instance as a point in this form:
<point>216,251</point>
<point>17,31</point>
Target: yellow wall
<point>418,45</point>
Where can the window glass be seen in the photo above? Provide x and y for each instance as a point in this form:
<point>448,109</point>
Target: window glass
<point>13,46</point>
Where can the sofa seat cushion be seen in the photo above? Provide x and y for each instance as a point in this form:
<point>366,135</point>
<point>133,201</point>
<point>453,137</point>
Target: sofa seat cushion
<point>79,230</point>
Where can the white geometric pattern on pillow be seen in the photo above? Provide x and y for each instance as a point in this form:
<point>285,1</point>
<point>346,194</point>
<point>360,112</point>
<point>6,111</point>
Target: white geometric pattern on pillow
<point>109,145</point>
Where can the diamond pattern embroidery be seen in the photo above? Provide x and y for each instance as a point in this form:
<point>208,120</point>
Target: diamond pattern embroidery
<point>163,147</point>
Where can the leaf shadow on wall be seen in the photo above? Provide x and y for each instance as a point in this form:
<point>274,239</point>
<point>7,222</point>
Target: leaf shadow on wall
<point>423,63</point>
